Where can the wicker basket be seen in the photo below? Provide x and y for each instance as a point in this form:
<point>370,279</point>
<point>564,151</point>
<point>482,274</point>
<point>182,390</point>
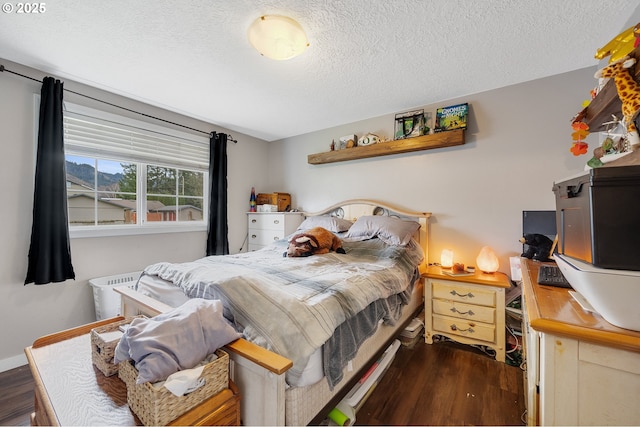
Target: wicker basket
<point>102,351</point>
<point>158,406</point>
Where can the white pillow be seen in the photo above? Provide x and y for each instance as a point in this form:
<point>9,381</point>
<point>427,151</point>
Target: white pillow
<point>391,230</point>
<point>331,223</point>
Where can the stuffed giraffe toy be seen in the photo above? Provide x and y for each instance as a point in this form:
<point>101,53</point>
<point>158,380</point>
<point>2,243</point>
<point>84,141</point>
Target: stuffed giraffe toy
<point>628,88</point>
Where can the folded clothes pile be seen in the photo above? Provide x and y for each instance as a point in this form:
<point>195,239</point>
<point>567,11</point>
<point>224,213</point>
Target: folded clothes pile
<point>176,340</point>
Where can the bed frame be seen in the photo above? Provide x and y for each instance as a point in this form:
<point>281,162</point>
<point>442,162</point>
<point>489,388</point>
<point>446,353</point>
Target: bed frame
<point>260,373</point>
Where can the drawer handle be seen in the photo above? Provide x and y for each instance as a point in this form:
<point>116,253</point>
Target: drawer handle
<point>455,328</point>
<point>276,238</point>
<point>276,221</point>
<point>468,294</point>
<point>253,236</point>
<point>469,312</point>
<point>254,221</point>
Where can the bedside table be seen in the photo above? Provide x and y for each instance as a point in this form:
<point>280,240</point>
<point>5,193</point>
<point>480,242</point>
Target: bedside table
<point>468,309</point>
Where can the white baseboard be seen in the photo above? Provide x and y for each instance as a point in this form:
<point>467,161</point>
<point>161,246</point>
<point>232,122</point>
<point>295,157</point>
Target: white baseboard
<point>12,362</point>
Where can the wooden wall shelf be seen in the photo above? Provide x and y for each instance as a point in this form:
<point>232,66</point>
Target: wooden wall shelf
<point>418,143</point>
<point>607,101</point>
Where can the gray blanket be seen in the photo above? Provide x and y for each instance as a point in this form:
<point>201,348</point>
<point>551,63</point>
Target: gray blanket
<point>293,305</point>
<point>176,340</point>
<point>343,345</point>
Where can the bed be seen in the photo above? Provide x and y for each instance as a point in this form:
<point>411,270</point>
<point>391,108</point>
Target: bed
<point>336,315</point>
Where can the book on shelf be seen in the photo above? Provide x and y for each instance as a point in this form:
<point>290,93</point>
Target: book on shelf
<point>452,117</point>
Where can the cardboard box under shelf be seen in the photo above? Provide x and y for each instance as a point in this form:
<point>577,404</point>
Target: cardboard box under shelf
<point>282,200</point>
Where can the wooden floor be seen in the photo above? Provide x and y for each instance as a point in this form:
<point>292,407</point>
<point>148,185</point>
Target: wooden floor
<point>446,384</point>
<point>16,397</point>
<point>440,384</point>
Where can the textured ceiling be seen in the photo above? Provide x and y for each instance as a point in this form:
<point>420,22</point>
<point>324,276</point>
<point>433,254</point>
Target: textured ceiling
<point>366,57</point>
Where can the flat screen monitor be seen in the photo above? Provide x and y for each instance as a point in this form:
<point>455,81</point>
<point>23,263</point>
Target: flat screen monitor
<point>539,222</point>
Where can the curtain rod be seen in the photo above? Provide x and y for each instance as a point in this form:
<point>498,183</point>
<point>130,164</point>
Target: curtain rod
<point>211,134</point>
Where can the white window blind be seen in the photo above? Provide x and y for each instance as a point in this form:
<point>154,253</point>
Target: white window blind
<point>95,133</point>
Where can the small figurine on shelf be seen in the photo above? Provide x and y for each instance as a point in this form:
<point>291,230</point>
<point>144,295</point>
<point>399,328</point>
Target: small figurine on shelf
<point>252,200</point>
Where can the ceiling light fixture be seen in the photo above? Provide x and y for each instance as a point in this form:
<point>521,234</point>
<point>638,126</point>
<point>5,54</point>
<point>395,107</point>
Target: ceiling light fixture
<point>277,37</point>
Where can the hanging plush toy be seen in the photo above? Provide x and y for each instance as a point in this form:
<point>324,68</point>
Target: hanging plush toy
<point>628,90</point>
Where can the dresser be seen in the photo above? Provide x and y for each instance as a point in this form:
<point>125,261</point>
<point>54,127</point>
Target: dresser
<point>581,370</point>
<point>265,228</point>
<point>469,309</point>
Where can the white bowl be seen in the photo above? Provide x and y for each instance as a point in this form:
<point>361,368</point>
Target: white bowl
<point>614,294</point>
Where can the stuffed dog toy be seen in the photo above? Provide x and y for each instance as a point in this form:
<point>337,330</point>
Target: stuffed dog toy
<point>312,242</point>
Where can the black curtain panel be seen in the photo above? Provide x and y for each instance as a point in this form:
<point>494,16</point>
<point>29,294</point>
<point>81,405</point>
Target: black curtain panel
<point>217,238</point>
<point>49,253</point>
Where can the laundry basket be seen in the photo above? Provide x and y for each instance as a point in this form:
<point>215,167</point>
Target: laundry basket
<point>107,301</point>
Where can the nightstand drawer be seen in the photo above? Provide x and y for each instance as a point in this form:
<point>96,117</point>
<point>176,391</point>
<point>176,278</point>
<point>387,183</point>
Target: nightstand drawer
<point>464,311</point>
<point>267,222</point>
<point>459,292</point>
<point>265,237</point>
<point>464,328</point>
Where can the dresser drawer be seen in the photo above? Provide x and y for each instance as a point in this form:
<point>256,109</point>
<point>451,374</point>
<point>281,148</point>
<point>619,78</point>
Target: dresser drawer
<point>459,292</point>
<point>267,222</point>
<point>264,237</point>
<point>464,311</point>
<point>464,328</point>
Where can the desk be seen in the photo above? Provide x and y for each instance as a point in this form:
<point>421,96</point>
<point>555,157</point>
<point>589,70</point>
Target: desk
<point>581,370</point>
<point>70,390</point>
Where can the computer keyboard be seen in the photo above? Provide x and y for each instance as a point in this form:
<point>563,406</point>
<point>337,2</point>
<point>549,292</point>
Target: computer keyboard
<point>551,275</point>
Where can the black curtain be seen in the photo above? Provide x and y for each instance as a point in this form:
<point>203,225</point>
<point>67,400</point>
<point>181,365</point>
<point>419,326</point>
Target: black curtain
<point>49,253</point>
<point>217,238</point>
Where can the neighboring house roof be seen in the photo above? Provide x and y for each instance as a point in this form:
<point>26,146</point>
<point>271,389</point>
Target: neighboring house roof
<point>152,205</point>
<point>173,208</point>
<point>75,180</point>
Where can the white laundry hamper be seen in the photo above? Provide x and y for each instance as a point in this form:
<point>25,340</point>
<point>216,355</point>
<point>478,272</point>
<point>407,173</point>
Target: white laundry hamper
<point>107,301</point>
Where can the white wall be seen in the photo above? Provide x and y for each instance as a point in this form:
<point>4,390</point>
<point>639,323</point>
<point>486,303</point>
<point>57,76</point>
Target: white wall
<point>28,312</point>
<point>517,144</point>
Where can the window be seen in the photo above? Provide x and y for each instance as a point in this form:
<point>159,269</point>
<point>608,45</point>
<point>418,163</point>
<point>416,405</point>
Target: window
<point>126,176</point>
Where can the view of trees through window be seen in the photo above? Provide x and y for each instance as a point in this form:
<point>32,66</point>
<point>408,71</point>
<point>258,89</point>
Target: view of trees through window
<point>105,192</point>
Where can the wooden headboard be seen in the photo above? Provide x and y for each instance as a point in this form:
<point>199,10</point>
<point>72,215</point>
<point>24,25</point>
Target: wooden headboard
<point>355,208</point>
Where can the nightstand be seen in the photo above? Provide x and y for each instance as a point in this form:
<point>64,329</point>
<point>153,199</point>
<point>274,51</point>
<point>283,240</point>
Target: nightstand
<point>268,227</point>
<point>469,309</point>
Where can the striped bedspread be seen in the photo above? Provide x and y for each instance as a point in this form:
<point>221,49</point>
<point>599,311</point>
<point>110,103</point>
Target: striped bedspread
<point>293,305</point>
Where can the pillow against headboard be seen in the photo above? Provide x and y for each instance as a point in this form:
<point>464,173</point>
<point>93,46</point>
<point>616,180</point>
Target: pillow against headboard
<point>331,223</point>
<point>391,230</point>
